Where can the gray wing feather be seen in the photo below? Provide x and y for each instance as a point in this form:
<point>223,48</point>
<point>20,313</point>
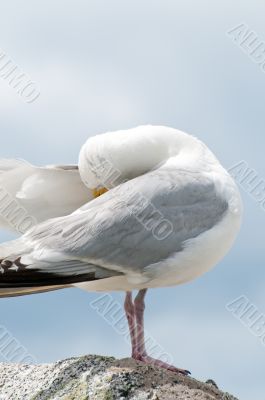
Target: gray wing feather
<point>117,229</point>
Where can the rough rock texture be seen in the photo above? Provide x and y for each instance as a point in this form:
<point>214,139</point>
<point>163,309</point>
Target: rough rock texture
<point>100,378</point>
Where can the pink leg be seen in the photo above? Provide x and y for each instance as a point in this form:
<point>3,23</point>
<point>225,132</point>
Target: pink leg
<point>130,314</point>
<point>139,307</point>
<point>138,342</point>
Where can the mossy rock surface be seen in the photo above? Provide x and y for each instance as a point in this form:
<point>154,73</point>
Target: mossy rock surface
<point>100,378</point>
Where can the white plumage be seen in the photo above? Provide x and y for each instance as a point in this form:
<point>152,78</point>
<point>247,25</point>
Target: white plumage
<point>42,192</point>
<point>154,175</point>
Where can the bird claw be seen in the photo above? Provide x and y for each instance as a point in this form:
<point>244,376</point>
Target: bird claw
<point>153,361</point>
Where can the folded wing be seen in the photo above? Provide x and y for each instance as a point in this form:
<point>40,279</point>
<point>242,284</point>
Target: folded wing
<point>114,234</point>
<point>30,195</point>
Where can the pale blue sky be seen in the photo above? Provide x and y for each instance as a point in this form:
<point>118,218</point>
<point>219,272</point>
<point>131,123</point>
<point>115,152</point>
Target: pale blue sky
<point>106,65</point>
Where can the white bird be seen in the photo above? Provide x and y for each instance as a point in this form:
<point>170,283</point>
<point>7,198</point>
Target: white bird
<point>152,207</point>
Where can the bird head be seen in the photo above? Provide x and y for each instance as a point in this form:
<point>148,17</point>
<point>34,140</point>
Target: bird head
<point>111,158</point>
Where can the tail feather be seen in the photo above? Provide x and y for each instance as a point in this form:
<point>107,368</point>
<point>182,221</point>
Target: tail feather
<point>14,287</point>
<point>12,247</point>
<point>23,291</point>
<point>25,271</point>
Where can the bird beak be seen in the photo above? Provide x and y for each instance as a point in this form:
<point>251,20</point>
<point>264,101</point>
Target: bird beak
<point>99,191</point>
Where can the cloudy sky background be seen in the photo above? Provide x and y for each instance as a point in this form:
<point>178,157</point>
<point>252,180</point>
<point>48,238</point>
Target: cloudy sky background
<point>107,65</point>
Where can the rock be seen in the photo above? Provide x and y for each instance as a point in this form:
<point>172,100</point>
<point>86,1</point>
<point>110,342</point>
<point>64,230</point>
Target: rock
<point>100,378</point>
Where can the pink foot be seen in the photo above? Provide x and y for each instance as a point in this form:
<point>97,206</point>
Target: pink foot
<point>135,315</point>
<point>153,361</point>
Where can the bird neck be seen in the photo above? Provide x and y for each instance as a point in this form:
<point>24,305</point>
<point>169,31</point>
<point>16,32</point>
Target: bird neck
<point>190,153</point>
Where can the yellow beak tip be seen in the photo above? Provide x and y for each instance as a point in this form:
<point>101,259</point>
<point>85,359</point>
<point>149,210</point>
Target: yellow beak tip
<point>99,191</point>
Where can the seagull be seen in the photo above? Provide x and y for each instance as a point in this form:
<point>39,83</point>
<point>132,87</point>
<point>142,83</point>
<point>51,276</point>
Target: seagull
<point>146,207</point>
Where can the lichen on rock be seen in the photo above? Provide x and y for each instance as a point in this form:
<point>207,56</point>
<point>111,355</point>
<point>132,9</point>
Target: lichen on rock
<point>101,378</point>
